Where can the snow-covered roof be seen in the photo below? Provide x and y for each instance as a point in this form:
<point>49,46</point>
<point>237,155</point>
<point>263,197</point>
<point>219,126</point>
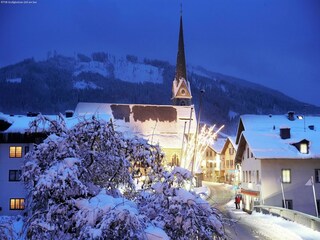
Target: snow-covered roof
<point>231,140</point>
<point>163,124</point>
<point>262,134</point>
<point>21,123</point>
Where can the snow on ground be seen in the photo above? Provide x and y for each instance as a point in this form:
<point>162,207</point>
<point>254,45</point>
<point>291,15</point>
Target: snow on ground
<point>272,227</point>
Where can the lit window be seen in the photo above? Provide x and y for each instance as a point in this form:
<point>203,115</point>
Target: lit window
<point>16,203</point>
<point>286,175</point>
<point>15,152</point>
<point>14,175</point>
<point>304,148</point>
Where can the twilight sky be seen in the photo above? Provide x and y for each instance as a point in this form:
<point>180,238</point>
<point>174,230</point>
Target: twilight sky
<point>275,43</point>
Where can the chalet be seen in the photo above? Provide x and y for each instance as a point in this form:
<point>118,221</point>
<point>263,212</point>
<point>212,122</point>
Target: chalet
<point>279,152</point>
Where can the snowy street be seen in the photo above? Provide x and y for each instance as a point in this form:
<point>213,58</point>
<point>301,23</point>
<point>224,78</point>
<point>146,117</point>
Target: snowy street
<point>244,226</point>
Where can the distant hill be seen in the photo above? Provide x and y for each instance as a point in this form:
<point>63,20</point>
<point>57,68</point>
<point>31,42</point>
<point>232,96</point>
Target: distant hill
<point>58,83</point>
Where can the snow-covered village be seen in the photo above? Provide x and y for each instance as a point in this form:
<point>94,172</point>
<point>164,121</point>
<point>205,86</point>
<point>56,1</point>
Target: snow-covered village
<point>99,139</point>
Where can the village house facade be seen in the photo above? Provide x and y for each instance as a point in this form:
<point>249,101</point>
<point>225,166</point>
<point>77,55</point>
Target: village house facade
<point>279,154</point>
<point>232,174</point>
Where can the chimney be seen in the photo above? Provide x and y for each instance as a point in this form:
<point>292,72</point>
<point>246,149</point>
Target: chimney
<point>69,113</point>
<point>311,127</point>
<point>291,115</point>
<point>285,133</point>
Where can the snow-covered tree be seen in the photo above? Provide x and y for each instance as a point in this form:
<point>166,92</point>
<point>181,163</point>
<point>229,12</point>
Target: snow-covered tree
<point>73,180</point>
<point>182,214</point>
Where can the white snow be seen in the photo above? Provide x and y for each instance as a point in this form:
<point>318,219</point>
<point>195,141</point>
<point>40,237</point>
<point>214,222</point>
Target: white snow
<point>93,67</point>
<point>137,72</point>
<point>262,132</point>
<point>272,227</point>
<point>14,80</point>
<point>82,84</point>
<point>123,70</point>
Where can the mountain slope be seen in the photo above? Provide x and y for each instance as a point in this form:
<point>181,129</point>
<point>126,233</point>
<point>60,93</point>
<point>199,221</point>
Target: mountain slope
<point>58,83</point>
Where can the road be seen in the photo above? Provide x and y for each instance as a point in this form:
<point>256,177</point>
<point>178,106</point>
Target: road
<point>235,229</point>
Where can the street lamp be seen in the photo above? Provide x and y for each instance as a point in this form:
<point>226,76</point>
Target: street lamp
<point>202,91</point>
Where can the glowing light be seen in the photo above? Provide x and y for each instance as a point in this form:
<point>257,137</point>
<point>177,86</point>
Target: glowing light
<point>206,137</point>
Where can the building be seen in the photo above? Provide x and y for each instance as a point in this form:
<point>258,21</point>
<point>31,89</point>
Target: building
<point>170,126</point>
<point>15,143</point>
<point>279,152</point>
<point>166,125</point>
<point>213,165</point>
<point>229,149</point>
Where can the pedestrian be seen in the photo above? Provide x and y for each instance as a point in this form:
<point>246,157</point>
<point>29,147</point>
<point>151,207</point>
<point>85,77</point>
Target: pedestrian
<point>237,201</point>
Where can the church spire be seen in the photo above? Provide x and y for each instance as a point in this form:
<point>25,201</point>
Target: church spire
<point>181,92</point>
<point>181,71</point>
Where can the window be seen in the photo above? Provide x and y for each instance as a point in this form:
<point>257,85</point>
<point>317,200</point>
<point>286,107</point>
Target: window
<point>243,176</point>
<point>258,181</point>
<point>15,152</point>
<point>318,206</point>
<point>251,155</point>
<point>210,153</point>
<point>248,152</point>
<point>286,175</point>
<point>14,175</point>
<point>26,149</point>
<point>231,151</point>
<point>249,176</point>
<point>304,148</point>
<point>246,176</point>
<point>16,203</point>
<point>317,175</point>
<point>289,204</point>
<point>175,160</point>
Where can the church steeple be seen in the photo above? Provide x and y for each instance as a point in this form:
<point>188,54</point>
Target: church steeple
<point>181,92</point>
<point>181,71</point>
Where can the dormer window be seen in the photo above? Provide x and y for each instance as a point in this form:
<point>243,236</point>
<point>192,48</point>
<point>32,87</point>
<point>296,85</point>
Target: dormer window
<point>304,148</point>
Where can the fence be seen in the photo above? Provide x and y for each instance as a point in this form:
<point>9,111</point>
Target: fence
<point>295,216</point>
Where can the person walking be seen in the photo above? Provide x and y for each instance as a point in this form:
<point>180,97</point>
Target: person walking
<point>237,201</point>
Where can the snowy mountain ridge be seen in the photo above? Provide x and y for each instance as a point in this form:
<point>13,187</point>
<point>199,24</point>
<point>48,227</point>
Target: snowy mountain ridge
<point>58,83</point>
<point>121,68</point>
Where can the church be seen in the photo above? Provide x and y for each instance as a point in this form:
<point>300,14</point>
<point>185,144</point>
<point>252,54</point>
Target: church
<point>170,126</point>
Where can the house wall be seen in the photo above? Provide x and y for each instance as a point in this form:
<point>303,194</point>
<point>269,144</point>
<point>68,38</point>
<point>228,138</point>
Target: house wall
<point>301,195</point>
<point>229,160</point>
<point>10,189</point>
<point>250,166</point>
<point>250,178</point>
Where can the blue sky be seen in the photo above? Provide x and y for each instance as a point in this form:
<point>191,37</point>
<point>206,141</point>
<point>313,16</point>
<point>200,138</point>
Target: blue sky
<point>275,43</point>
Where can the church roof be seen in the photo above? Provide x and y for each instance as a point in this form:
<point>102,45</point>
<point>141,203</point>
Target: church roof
<point>164,124</point>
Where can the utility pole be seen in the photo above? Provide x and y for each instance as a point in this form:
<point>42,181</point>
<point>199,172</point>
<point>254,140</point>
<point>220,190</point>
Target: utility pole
<point>196,134</point>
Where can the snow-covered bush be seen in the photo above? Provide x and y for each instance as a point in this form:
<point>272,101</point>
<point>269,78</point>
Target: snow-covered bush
<point>76,163</point>
<point>182,214</point>
<point>73,180</point>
